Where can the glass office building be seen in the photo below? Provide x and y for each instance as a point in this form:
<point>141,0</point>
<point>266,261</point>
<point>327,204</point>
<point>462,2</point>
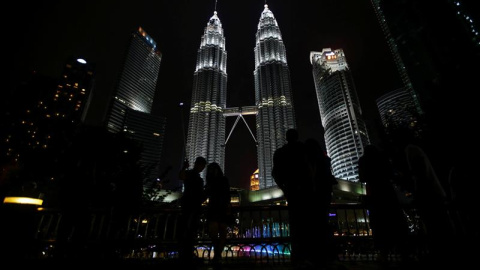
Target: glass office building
<point>135,88</point>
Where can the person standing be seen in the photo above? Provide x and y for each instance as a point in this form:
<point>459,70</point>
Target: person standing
<point>322,187</point>
<point>217,189</point>
<point>191,207</point>
<point>431,201</point>
<point>388,223</point>
<point>292,174</point>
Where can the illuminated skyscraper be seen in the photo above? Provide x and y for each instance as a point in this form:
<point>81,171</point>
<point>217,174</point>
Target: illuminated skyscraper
<point>206,126</point>
<point>345,131</point>
<point>136,85</point>
<point>130,109</point>
<point>273,96</point>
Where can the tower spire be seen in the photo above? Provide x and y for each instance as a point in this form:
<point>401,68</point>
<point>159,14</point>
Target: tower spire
<point>215,9</point>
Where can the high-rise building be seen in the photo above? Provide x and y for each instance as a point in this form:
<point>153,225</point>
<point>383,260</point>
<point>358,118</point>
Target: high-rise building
<point>340,112</point>
<point>50,109</point>
<point>206,126</point>
<point>435,51</point>
<point>71,99</point>
<point>440,50</point>
<point>131,105</point>
<point>135,88</point>
<point>148,131</point>
<point>402,71</point>
<point>273,94</point>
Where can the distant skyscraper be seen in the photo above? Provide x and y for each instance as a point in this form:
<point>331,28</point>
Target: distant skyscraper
<point>73,93</point>
<point>345,131</point>
<point>130,108</point>
<point>206,126</point>
<point>136,84</point>
<point>44,113</point>
<point>273,96</point>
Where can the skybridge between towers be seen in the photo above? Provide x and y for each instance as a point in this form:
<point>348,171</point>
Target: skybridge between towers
<point>239,112</point>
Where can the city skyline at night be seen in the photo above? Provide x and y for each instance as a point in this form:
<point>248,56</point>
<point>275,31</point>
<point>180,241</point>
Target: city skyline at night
<point>97,118</point>
<point>98,32</point>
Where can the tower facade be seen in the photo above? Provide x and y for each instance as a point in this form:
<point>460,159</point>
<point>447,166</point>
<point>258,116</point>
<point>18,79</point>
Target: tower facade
<point>340,112</point>
<point>206,126</point>
<point>273,94</point>
<point>136,84</point>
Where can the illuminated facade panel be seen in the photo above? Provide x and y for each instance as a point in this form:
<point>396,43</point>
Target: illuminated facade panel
<point>206,126</point>
<point>340,112</point>
<point>254,183</point>
<point>273,96</point>
<point>397,109</point>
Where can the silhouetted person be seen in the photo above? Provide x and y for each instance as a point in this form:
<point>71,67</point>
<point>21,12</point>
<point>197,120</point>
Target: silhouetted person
<point>430,199</point>
<point>322,186</point>
<point>218,209</point>
<point>386,216</point>
<point>293,176</point>
<point>191,208</point>
<point>76,189</point>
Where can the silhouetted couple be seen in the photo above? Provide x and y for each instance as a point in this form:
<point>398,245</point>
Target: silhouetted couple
<point>302,171</point>
<point>217,190</point>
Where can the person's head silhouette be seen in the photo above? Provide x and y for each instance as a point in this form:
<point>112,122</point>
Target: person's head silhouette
<point>292,135</point>
<point>214,170</point>
<point>200,163</point>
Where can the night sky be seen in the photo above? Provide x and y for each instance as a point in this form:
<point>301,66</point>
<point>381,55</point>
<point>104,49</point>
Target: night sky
<point>43,35</point>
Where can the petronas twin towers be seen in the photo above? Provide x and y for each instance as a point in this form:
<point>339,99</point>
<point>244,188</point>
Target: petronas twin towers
<point>273,97</point>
